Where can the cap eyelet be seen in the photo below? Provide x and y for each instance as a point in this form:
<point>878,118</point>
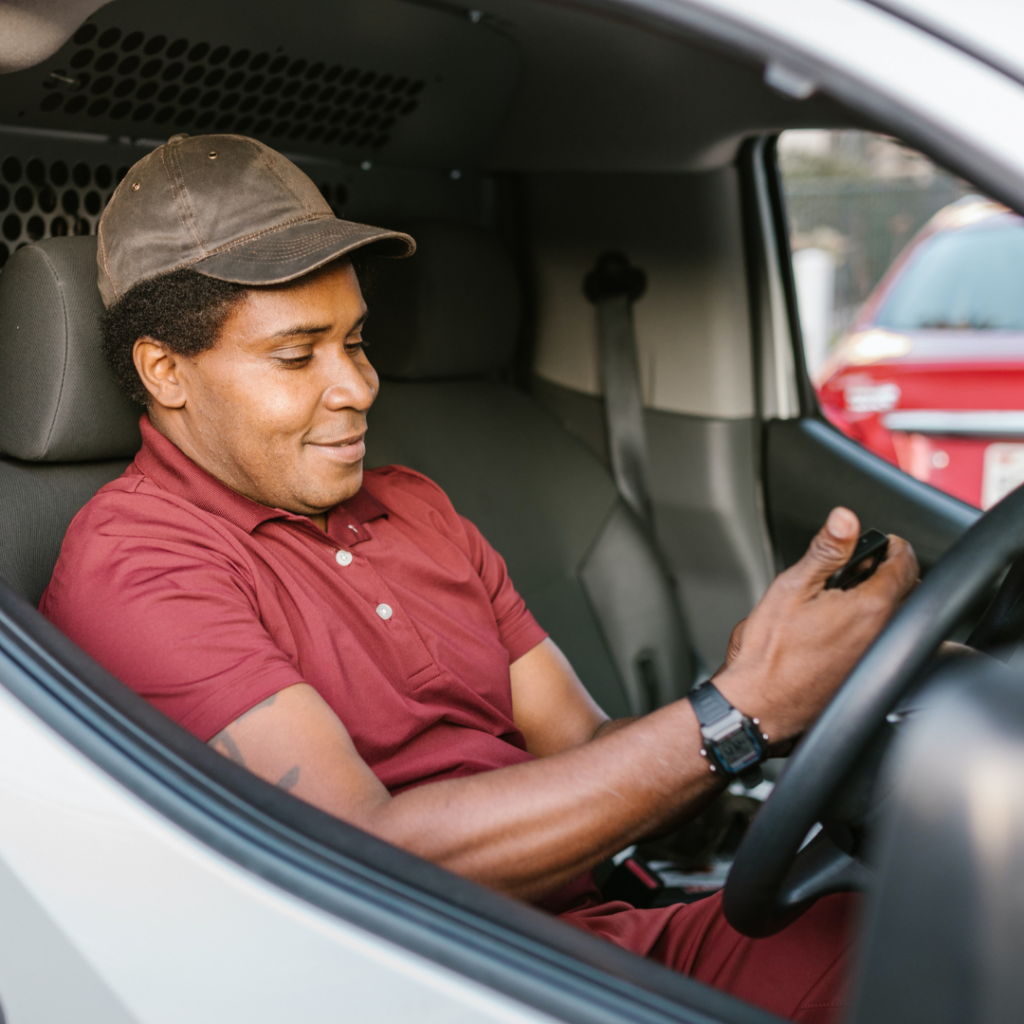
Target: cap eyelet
<point>136,185</point>
<point>212,155</point>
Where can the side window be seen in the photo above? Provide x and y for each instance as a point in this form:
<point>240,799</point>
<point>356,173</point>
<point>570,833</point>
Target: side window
<point>911,293</point>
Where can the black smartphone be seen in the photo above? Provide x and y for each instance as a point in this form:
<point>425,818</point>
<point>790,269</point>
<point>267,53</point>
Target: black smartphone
<point>868,555</point>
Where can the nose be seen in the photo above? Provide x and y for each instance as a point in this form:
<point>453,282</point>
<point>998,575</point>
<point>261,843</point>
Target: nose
<point>352,385</point>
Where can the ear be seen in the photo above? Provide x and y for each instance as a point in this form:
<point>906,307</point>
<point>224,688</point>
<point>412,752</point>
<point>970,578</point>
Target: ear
<point>160,371</point>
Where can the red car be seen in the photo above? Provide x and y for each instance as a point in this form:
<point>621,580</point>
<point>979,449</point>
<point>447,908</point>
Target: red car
<point>931,374</point>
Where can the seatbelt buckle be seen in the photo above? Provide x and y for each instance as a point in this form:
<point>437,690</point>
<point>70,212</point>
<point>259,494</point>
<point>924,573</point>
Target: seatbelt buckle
<point>632,882</point>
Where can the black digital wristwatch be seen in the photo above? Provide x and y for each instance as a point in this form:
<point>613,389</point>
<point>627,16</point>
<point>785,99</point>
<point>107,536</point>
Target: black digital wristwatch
<point>733,743</point>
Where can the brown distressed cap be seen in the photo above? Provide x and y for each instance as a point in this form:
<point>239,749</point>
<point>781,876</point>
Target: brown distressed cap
<point>226,206</point>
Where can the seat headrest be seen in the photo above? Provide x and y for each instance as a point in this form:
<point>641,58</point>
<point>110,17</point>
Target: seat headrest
<point>450,311</point>
<point>59,401</point>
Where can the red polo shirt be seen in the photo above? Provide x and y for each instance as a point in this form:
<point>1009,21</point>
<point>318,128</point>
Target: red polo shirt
<point>401,615</point>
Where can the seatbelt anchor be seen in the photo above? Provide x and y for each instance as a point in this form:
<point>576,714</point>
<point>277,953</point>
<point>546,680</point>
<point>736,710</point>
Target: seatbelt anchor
<point>613,275</point>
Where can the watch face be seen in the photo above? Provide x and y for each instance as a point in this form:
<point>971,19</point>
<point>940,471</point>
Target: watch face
<point>737,751</point>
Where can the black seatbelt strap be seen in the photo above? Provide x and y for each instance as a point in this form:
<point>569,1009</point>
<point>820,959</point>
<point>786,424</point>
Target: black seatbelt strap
<point>613,286</point>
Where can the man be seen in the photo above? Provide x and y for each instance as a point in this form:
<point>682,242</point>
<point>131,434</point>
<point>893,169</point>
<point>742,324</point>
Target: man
<point>348,636</point>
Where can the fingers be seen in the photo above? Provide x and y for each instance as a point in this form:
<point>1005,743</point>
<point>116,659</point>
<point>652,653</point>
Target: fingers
<point>898,574</point>
<point>831,548</point>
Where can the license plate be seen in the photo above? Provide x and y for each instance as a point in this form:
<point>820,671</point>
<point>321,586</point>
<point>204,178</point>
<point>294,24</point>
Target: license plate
<point>1004,471</point>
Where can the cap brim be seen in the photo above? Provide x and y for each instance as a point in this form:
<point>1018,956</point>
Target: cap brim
<point>277,256</point>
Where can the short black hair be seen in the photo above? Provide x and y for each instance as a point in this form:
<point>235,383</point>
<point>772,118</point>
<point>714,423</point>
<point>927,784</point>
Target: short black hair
<point>185,310</point>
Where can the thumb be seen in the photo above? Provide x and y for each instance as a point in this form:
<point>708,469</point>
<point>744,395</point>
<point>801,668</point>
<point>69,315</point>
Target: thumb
<point>832,546</point>
<point>735,642</point>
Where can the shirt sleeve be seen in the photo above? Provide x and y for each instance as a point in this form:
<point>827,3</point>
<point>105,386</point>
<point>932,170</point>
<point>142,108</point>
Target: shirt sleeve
<point>518,629</point>
<point>173,618</point>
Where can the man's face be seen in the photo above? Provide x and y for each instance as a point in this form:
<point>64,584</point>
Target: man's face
<point>276,409</point>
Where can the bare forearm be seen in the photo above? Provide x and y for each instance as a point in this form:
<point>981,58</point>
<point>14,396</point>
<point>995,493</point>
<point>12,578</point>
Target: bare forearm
<point>530,828</point>
<point>612,725</point>
<point>525,829</point>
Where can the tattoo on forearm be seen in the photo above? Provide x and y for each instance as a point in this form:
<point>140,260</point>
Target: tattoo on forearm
<point>229,747</point>
<point>289,779</point>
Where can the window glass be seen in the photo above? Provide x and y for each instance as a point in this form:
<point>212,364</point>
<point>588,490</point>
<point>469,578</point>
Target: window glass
<point>910,287</point>
<point>966,280</point>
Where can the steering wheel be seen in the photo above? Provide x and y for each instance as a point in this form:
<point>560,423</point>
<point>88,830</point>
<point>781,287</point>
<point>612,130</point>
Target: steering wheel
<point>772,880</point>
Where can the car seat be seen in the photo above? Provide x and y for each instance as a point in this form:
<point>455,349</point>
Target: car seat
<point>443,323</point>
<point>443,326</point>
<point>65,429</point>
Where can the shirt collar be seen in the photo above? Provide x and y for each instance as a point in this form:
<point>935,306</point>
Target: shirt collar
<point>169,467</point>
<point>363,506</point>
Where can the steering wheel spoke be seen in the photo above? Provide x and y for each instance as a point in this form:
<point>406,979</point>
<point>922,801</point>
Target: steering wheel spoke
<point>819,869</point>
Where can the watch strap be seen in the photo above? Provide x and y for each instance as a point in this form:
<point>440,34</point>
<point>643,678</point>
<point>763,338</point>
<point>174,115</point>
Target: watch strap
<point>708,703</point>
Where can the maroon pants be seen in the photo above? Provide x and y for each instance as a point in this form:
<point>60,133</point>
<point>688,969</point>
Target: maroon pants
<point>799,974</point>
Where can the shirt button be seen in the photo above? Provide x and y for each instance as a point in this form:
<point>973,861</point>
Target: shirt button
<point>384,611</point>
<point>343,558</point>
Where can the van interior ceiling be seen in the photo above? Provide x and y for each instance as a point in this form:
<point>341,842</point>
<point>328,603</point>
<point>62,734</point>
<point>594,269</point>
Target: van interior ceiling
<point>566,132</point>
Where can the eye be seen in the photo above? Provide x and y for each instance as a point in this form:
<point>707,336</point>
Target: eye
<point>294,362</point>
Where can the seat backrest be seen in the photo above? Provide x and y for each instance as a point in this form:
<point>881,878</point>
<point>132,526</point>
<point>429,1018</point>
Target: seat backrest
<point>65,428</point>
<point>442,327</point>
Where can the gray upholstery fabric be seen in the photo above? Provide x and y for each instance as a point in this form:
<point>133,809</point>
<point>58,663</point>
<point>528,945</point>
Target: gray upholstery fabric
<point>551,509</point>
<point>58,399</point>
<point>451,310</point>
<point>38,502</point>
<point>636,604</point>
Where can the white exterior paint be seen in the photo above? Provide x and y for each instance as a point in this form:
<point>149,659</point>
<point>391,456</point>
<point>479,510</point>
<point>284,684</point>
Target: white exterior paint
<point>992,28</point>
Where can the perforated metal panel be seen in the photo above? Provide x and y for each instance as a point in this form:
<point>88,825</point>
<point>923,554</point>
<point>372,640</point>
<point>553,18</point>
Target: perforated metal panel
<point>383,81</point>
<point>44,197</point>
<point>46,200</point>
<point>129,77</point>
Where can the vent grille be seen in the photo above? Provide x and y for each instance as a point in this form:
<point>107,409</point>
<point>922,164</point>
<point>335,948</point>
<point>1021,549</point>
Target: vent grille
<point>47,200</point>
<point>40,199</point>
<point>180,85</point>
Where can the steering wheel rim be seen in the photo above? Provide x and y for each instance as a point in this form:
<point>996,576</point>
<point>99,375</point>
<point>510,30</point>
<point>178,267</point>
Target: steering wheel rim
<point>770,883</point>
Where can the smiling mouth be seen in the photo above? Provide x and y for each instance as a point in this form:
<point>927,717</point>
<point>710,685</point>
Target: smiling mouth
<point>348,449</point>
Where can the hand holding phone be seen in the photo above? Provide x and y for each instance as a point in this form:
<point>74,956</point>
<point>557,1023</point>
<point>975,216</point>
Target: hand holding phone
<point>867,556</point>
